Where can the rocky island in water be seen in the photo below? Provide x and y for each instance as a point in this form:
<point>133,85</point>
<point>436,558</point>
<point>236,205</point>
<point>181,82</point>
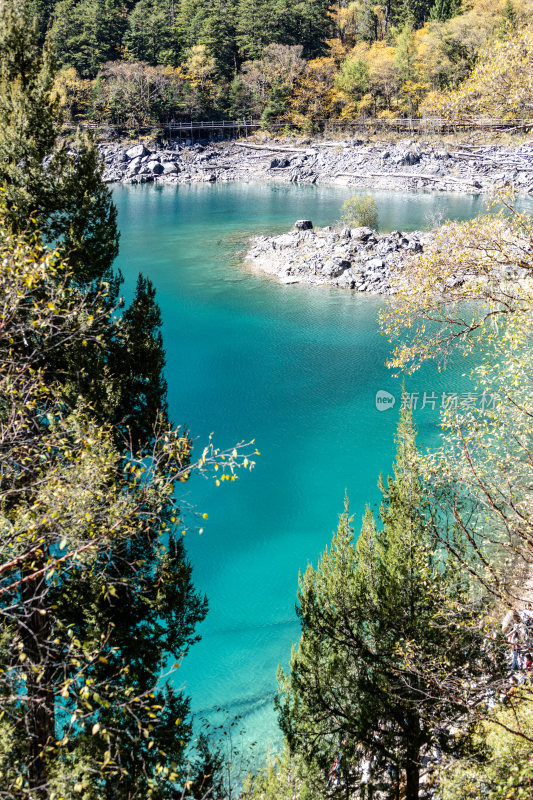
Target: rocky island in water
<point>351,258</point>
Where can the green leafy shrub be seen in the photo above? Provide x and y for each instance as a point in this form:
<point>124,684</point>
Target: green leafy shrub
<point>360,211</point>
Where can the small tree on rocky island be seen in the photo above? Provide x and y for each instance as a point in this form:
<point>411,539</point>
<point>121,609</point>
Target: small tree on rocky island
<point>360,211</point>
<point>373,615</point>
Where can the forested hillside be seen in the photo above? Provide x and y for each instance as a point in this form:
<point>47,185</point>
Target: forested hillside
<point>139,63</point>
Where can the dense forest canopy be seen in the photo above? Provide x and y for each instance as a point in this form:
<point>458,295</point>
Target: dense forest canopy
<point>139,63</point>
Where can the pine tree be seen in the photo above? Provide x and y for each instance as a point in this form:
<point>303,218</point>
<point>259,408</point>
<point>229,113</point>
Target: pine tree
<point>211,24</point>
<point>51,183</point>
<point>130,600</point>
<point>85,35</point>
<point>445,9</point>
<point>241,99</point>
<point>94,588</point>
<point>404,57</point>
<point>307,23</point>
<point>373,618</point>
<point>509,14</point>
<point>412,12</point>
<point>152,614</point>
<point>256,26</point>
<point>277,105</point>
<point>138,358</point>
<point>152,34</point>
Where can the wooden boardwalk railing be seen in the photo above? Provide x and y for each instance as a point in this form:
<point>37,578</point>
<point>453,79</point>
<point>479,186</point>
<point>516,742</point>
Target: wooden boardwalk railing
<point>426,125</point>
<point>429,124</point>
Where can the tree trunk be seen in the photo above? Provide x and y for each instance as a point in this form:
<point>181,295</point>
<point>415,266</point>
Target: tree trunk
<point>412,774</point>
<point>40,721</point>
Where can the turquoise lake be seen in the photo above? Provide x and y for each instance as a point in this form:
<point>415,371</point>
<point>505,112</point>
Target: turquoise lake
<point>297,369</point>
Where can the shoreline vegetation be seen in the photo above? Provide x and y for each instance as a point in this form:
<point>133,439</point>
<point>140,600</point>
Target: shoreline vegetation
<point>294,64</point>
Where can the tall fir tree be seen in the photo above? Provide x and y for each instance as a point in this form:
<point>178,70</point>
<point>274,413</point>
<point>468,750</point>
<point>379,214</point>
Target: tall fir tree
<point>152,613</point>
<point>256,26</point>
<point>152,34</point>
<point>404,56</point>
<point>113,370</point>
<point>307,23</point>
<point>141,393</point>
<point>51,182</point>
<point>373,617</point>
<point>445,9</point>
<point>211,24</point>
<point>87,34</point>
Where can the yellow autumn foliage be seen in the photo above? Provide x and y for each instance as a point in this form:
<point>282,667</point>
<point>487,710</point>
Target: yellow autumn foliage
<point>501,83</point>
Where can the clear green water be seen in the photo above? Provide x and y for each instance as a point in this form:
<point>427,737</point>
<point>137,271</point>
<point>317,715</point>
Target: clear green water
<point>297,368</point>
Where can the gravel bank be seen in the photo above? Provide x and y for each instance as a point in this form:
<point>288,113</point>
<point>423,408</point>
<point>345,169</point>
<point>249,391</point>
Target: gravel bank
<point>405,166</point>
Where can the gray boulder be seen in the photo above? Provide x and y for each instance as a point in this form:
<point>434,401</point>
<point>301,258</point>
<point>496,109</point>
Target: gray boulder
<point>170,168</point>
<point>155,167</point>
<point>279,163</point>
<point>403,157</point>
<point>138,151</point>
<point>134,166</point>
<point>303,225</point>
<point>335,267</point>
<point>361,234</point>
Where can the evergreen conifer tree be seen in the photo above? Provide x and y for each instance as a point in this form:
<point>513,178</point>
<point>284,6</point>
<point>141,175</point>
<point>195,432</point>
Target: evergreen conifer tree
<point>133,602</point>
<point>278,102</point>
<point>152,613</point>
<point>372,618</point>
<point>51,182</point>
<point>152,34</point>
<point>241,100</point>
<point>211,24</point>
<point>509,17</point>
<point>444,9</point>
<point>404,56</point>
<point>142,392</point>
<point>87,34</point>
<point>256,26</point>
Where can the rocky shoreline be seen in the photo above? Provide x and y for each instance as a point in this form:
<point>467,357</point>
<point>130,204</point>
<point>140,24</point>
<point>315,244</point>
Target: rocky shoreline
<point>356,258</point>
<point>406,165</point>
